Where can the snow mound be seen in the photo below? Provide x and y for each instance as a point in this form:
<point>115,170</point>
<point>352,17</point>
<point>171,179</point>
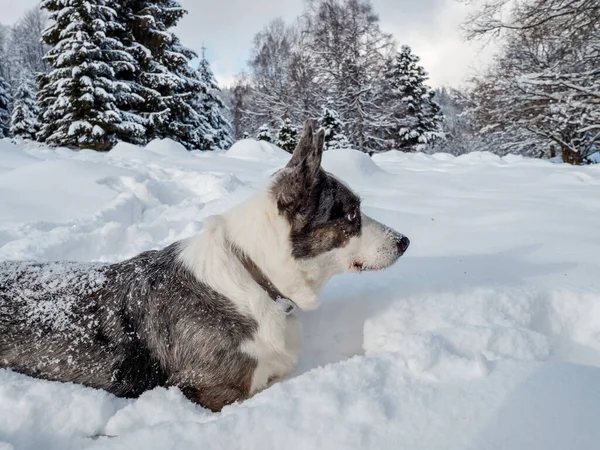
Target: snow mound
<point>62,190</point>
<point>476,157</point>
<point>11,156</point>
<point>126,151</point>
<point>167,147</point>
<point>350,164</point>
<point>259,150</point>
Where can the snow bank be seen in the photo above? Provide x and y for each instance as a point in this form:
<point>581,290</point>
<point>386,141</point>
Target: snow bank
<point>12,156</point>
<point>167,147</point>
<point>485,335</point>
<point>260,150</point>
<point>350,164</point>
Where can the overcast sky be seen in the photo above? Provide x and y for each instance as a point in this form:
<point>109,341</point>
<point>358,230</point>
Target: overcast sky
<point>226,28</point>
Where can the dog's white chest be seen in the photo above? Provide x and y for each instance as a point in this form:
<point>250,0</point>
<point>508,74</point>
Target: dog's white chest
<point>275,346</point>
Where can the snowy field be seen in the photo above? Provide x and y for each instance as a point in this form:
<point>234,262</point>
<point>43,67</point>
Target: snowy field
<point>485,335</point>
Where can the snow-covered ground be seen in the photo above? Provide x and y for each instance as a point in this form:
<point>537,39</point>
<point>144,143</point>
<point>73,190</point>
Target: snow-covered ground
<point>485,335</point>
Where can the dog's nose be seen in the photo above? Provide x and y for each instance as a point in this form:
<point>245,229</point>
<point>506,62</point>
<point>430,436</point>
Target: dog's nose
<point>403,244</point>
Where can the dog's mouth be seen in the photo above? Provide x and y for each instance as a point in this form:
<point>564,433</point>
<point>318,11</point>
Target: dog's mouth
<point>357,266</point>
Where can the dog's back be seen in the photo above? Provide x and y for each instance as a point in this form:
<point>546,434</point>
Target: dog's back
<point>124,327</point>
<point>44,319</point>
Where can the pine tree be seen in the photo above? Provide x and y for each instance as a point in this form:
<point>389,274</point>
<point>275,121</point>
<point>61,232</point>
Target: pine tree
<point>416,118</point>
<point>163,77</point>
<point>264,134</point>
<point>4,108</point>
<point>214,131</point>
<point>334,128</point>
<point>23,122</point>
<point>287,136</point>
<point>79,95</point>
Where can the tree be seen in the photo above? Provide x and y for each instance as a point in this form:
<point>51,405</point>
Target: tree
<point>21,50</point>
<point>79,95</point>
<point>23,122</point>
<point>415,118</point>
<point>162,77</point>
<point>4,108</point>
<point>287,136</point>
<point>239,96</point>
<point>547,74</point>
<point>264,134</point>
<point>283,78</point>
<point>214,130</point>
<point>333,127</point>
<point>350,52</point>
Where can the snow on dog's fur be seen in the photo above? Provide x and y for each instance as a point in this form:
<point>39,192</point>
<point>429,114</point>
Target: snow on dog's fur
<point>196,315</point>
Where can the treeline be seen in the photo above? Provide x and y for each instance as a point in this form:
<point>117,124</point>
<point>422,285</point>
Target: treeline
<point>106,71</point>
<point>335,63</point>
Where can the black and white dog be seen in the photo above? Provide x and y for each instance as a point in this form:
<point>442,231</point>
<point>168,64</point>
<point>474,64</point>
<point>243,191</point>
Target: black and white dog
<point>210,314</point>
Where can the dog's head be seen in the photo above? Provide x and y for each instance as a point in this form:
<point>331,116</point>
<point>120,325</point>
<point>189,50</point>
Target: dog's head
<point>327,226</point>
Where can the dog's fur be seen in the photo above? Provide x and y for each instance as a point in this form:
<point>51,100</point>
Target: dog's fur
<point>191,315</point>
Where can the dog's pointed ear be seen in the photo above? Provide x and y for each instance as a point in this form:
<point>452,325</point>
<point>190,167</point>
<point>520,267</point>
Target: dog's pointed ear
<point>309,150</point>
<point>302,169</point>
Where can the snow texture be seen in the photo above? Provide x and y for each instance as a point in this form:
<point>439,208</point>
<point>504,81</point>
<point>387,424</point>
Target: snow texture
<point>485,335</point>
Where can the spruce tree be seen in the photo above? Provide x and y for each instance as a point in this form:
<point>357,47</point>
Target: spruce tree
<point>163,77</point>
<point>4,108</point>
<point>79,95</point>
<point>287,136</point>
<point>214,130</point>
<point>415,117</point>
<point>264,134</point>
<point>23,123</point>
<point>333,127</point>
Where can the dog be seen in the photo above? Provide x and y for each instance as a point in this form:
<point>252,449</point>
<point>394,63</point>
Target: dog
<point>212,314</point>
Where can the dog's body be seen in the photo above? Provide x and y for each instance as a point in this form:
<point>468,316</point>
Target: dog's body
<point>195,314</point>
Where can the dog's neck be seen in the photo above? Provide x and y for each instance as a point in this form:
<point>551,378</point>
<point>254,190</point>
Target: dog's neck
<point>263,234</point>
<point>261,279</point>
<point>258,229</point>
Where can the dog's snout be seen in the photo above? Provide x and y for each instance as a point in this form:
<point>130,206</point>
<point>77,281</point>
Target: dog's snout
<point>403,244</point>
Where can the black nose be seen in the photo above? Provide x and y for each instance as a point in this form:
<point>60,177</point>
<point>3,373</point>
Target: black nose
<point>403,244</point>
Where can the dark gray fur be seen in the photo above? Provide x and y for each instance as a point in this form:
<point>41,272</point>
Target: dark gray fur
<point>125,328</point>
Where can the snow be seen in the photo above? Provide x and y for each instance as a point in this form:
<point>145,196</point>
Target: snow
<point>485,335</point>
<point>260,150</point>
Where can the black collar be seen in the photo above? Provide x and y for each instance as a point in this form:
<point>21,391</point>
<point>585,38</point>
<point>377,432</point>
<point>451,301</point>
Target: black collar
<point>262,280</point>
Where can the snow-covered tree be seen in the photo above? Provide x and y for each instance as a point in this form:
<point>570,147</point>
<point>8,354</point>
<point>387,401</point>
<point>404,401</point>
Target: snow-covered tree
<point>23,123</point>
<point>264,134</point>
<point>333,127</point>
<point>79,95</point>
<point>542,92</point>
<point>4,108</point>
<point>287,136</point>
<point>349,52</point>
<point>214,130</point>
<point>163,78</point>
<point>415,118</point>
<point>21,50</point>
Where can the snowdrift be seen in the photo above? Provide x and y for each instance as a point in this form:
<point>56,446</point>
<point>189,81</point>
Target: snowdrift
<point>485,335</point>
<point>259,150</point>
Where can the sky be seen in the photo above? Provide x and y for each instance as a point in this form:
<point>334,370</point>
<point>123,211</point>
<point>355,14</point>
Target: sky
<point>226,29</point>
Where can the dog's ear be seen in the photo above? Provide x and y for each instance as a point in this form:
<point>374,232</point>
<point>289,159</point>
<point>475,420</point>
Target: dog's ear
<point>309,150</point>
<point>302,169</point>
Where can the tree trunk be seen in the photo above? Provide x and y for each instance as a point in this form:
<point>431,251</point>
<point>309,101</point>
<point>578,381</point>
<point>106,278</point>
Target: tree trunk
<point>571,157</point>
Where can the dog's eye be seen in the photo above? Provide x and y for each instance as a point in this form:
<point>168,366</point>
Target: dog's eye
<point>352,216</point>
